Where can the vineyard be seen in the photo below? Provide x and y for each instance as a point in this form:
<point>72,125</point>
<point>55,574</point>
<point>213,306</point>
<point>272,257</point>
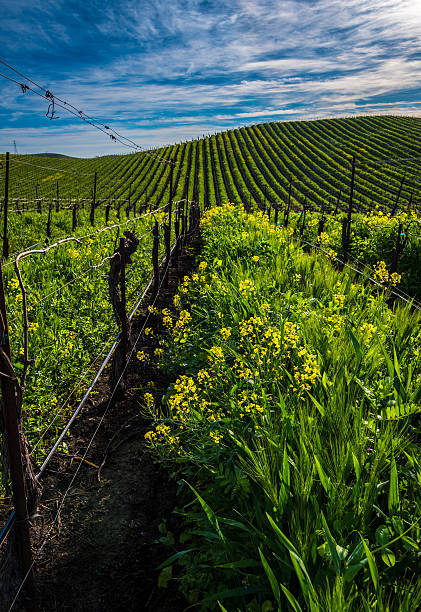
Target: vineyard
<point>293,348</point>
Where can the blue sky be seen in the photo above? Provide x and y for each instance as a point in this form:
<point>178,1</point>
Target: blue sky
<point>162,72</point>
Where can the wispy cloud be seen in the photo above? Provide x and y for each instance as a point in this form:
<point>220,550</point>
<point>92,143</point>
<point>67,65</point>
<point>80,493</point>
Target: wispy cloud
<point>163,71</point>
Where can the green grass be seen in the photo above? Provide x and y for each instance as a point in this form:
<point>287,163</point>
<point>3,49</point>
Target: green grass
<point>70,317</point>
<point>246,162</point>
<point>294,419</point>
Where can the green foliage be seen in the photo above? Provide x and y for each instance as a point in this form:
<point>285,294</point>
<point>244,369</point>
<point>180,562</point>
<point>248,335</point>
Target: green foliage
<point>305,480</point>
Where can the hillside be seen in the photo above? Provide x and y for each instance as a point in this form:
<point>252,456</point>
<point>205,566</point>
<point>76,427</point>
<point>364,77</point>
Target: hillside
<point>252,163</point>
<point>271,360</point>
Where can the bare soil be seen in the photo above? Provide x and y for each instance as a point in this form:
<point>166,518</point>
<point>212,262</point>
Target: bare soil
<point>104,552</point>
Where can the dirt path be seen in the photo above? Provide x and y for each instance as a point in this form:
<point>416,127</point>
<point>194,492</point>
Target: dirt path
<point>102,555</point>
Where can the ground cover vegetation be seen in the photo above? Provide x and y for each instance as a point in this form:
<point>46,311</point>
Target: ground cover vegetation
<point>291,427</point>
<point>322,438</point>
<point>71,322</point>
<point>306,163</point>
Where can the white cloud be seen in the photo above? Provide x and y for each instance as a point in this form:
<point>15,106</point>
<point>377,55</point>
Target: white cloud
<point>173,69</point>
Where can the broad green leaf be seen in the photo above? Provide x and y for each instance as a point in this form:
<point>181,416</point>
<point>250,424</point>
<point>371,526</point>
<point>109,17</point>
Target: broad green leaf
<point>388,557</point>
<point>393,500</point>
<point>237,592</point>
<point>164,577</point>
<point>325,480</point>
<point>289,545</point>
<point>357,467</point>
<point>352,570</point>
<point>294,603</point>
<point>173,558</point>
<point>382,535</point>
<point>271,576</point>
<point>372,565</point>
<point>209,513</point>
<point>331,544</point>
<point>317,404</point>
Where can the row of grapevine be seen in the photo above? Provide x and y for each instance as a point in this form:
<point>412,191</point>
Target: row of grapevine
<point>250,165</point>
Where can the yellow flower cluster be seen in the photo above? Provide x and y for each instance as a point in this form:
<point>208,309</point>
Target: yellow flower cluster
<point>216,436</point>
<point>381,274</point>
<point>73,254</point>
<point>367,331</point>
<point>249,403</point>
<point>185,285</point>
<point>142,356</point>
<point>162,434</point>
<point>13,284</point>
<point>180,330</point>
<point>310,371</point>
<point>184,398</point>
<point>241,369</point>
<point>335,321</point>
<point>215,354</point>
<point>225,333</point>
<point>246,287</point>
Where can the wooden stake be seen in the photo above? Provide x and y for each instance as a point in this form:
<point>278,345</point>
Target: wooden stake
<point>13,435</point>
<point>155,261</point>
<point>6,202</point>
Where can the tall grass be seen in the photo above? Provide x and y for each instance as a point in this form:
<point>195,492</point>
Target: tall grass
<point>294,422</point>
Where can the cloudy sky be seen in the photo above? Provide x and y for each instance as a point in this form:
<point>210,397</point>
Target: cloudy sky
<point>165,71</point>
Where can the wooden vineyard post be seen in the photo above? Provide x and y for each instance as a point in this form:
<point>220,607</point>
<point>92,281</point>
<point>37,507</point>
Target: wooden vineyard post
<point>6,202</point>
<point>304,217</point>
<point>155,261</point>
<point>191,218</point>
<point>337,203</point>
<point>286,214</point>
<point>182,228</point>
<point>117,293</point>
<point>39,202</point>
<point>167,238</point>
<point>408,208</point>
<point>276,213</point>
<point>321,222</point>
<point>107,211</point>
<point>395,206</point>
<point>57,198</point>
<point>92,215</point>
<point>171,185</point>
<point>264,199</point>
<point>399,247</point>
<point>74,217</point>
<point>346,230</point>
<point>167,243</point>
<point>14,439</point>
<point>269,210</point>
<point>177,234</point>
<point>124,340</point>
<point>344,237</point>
<point>50,212</point>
